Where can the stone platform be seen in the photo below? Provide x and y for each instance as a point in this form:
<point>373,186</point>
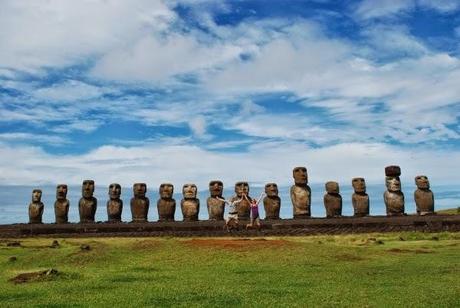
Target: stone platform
<point>283,227</point>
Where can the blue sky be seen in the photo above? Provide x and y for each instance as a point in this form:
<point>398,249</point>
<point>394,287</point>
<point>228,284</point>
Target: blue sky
<point>189,91</point>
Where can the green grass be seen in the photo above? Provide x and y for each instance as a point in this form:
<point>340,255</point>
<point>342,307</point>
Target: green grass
<point>454,211</point>
<point>377,270</point>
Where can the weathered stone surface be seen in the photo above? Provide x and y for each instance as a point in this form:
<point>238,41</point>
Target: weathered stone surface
<point>301,193</point>
<point>216,207</point>
<point>333,200</point>
<point>190,204</point>
<point>166,204</point>
<point>114,204</point>
<point>393,196</point>
<point>61,205</point>
<point>272,202</point>
<point>284,227</point>
<point>424,198</point>
<point>360,199</point>
<point>36,207</point>
<point>243,207</point>
<point>139,203</point>
<point>88,204</point>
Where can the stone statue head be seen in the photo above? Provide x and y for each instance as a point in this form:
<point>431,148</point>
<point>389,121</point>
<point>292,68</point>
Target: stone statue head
<point>189,191</point>
<point>36,195</point>
<point>139,190</point>
<point>87,188</point>
<point>114,191</point>
<point>216,188</point>
<point>332,187</point>
<point>241,188</point>
<point>61,192</point>
<point>359,185</point>
<point>393,183</point>
<point>166,191</point>
<point>422,182</point>
<point>271,189</point>
<point>300,175</point>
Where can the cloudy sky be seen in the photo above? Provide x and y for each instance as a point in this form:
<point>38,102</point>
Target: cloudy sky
<point>189,91</point>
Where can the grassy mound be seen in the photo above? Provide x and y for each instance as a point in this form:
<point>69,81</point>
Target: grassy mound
<point>399,269</point>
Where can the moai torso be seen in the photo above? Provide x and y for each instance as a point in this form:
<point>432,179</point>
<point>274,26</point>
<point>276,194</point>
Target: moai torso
<point>36,207</point>
<point>139,203</point>
<point>88,204</point>
<point>166,204</point>
<point>272,202</point>
<point>243,207</point>
<point>393,197</point>
<point>216,207</point>
<point>61,205</point>
<point>424,198</point>
<point>190,204</point>
<point>301,193</point>
<point>333,200</point>
<point>114,204</point>
<point>360,199</point>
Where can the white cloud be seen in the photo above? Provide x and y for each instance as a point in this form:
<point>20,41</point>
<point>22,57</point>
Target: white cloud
<point>57,33</point>
<point>69,91</point>
<point>154,59</point>
<point>262,163</point>
<point>32,138</point>
<point>444,6</point>
<point>373,9</point>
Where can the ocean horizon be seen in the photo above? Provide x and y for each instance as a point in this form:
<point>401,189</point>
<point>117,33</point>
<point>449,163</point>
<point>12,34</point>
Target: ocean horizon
<point>15,200</point>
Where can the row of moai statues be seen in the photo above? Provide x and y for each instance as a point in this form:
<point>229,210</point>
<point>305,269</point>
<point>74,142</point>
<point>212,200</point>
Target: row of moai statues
<point>300,194</point>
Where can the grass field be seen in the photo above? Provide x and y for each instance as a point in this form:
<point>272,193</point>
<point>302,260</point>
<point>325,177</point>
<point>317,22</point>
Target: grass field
<point>377,270</point>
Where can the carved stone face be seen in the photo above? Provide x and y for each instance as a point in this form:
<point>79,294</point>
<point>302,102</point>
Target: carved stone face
<point>271,189</point>
<point>114,191</point>
<point>241,188</point>
<point>166,191</point>
<point>332,187</point>
<point>216,188</point>
<point>87,188</point>
<point>189,191</point>
<point>422,182</point>
<point>393,183</point>
<point>300,175</point>
<point>359,185</point>
<point>139,190</point>
<point>61,192</point>
<point>36,196</point>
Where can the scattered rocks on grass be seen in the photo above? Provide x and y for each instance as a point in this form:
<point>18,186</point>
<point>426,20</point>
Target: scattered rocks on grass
<point>85,247</point>
<point>35,276</point>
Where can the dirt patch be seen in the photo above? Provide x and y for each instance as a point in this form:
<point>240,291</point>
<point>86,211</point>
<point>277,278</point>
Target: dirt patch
<point>349,257</point>
<point>45,275</point>
<point>416,251</point>
<point>238,244</point>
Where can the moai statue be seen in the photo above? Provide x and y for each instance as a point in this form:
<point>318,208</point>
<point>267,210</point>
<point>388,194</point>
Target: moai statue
<point>424,198</point>
<point>333,200</point>
<point>242,188</point>
<point>360,199</point>
<point>301,193</point>
<point>393,197</point>
<point>216,207</point>
<point>36,207</point>
<point>166,204</point>
<point>114,204</point>
<point>61,205</point>
<point>272,202</point>
<point>139,203</point>
<point>88,204</point>
<point>190,204</point>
